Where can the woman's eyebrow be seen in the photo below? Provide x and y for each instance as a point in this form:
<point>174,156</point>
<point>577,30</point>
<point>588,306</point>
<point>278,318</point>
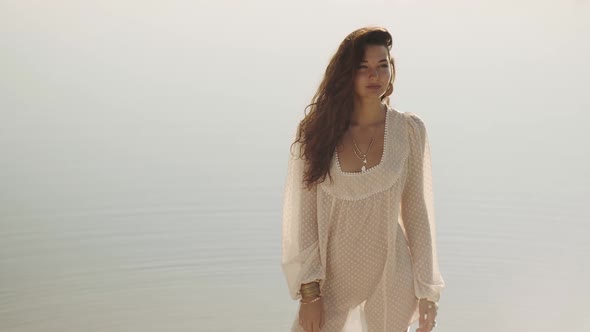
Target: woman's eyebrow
<point>382,60</point>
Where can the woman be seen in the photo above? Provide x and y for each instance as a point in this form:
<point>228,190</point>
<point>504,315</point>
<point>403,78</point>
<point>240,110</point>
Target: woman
<point>365,240</point>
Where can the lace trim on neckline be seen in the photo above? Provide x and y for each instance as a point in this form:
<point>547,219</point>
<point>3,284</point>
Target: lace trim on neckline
<point>339,168</point>
<point>358,186</point>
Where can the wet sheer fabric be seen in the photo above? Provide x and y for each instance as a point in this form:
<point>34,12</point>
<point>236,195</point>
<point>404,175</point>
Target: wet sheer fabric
<point>368,236</point>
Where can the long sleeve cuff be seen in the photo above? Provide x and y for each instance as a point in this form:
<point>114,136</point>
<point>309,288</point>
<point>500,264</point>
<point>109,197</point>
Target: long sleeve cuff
<point>304,268</point>
<point>431,292</point>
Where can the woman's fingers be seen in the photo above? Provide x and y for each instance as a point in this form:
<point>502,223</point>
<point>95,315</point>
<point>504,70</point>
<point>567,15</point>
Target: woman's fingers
<point>431,318</point>
<point>423,310</point>
<point>316,326</point>
<point>432,315</point>
<point>422,320</point>
<point>428,311</point>
<point>427,319</point>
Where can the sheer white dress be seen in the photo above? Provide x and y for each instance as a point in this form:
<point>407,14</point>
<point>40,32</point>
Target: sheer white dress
<point>369,236</point>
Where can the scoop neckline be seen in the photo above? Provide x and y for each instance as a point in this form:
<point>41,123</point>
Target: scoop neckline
<point>387,111</point>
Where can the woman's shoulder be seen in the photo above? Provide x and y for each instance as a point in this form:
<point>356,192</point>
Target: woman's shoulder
<point>414,123</point>
<point>412,118</point>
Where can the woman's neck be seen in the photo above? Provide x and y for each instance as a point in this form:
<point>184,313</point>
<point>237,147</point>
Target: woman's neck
<point>367,113</point>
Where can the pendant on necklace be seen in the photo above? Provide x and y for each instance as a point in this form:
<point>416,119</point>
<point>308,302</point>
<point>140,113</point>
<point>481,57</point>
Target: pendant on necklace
<point>364,162</point>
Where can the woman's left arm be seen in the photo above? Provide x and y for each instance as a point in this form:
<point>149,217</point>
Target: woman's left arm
<point>417,209</point>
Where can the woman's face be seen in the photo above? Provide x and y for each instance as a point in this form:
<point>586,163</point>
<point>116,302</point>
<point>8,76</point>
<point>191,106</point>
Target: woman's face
<point>374,73</point>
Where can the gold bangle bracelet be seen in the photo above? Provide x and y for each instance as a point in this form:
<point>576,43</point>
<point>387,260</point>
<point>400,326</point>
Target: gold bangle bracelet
<point>309,291</point>
<point>304,288</point>
<point>312,301</point>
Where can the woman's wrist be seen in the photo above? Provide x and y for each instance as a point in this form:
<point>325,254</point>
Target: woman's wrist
<point>310,290</point>
<point>427,300</point>
<point>312,293</point>
<point>311,299</point>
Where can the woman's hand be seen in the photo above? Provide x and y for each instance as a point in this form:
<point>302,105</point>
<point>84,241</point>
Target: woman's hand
<point>428,311</point>
<point>311,315</point>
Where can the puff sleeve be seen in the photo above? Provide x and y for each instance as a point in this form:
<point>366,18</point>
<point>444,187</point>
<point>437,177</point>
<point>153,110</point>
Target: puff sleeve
<point>417,209</point>
<point>301,261</point>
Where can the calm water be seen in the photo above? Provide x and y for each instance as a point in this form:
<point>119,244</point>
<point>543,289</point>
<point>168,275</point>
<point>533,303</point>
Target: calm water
<point>142,161</point>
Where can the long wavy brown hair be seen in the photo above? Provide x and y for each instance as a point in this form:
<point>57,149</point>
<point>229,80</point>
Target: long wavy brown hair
<point>332,105</point>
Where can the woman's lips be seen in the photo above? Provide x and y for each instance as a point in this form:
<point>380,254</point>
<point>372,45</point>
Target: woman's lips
<point>374,87</point>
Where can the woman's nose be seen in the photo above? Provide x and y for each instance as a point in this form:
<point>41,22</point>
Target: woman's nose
<point>373,72</point>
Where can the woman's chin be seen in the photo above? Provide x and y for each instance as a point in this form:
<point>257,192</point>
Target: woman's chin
<point>369,97</point>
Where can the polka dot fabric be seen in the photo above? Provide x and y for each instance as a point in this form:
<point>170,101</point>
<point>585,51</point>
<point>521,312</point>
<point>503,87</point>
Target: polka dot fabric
<point>369,237</point>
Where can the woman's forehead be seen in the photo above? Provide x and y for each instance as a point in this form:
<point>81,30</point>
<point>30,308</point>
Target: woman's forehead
<point>375,53</point>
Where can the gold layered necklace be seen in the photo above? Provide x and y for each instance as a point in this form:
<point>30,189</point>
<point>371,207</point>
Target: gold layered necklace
<point>359,154</point>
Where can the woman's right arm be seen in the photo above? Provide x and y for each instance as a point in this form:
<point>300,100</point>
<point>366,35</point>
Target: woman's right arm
<point>301,261</point>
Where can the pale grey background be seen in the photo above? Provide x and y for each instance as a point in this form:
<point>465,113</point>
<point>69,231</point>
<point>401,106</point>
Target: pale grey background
<point>143,149</point>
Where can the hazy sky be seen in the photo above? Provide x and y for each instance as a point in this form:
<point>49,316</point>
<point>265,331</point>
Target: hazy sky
<point>162,110</point>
